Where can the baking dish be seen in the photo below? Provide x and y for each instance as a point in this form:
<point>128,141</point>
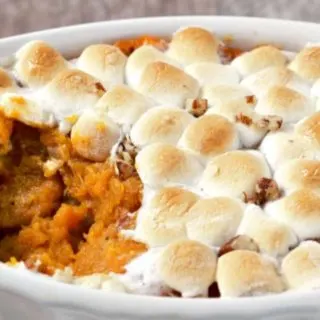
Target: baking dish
<point>25,295</point>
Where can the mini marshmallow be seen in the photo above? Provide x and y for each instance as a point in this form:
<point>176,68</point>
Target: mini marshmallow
<point>6,82</point>
<point>123,105</point>
<point>139,60</point>
<point>193,44</point>
<point>213,221</point>
<point>223,93</point>
<point>280,147</point>
<point>26,110</point>
<point>309,128</point>
<point>38,63</point>
<point>163,219</point>
<point>94,135</point>
<point>166,84</point>
<point>188,267</point>
<point>160,164</point>
<point>301,267</point>
<point>209,136</point>
<point>273,238</point>
<point>286,103</point>
<point>160,124</point>
<point>258,59</point>
<point>299,173</point>
<point>234,173</point>
<point>208,73</point>
<point>70,93</point>
<point>243,273</point>
<point>300,210</point>
<point>307,63</point>
<point>104,62</point>
<point>259,83</point>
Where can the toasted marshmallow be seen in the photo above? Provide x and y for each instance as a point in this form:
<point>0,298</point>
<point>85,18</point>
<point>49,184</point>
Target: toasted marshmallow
<point>213,221</point>
<point>104,62</point>
<point>280,147</point>
<point>219,94</point>
<point>300,210</point>
<point>6,82</point>
<point>93,135</point>
<point>299,173</point>
<point>160,164</point>
<point>243,273</point>
<point>123,105</point>
<point>259,83</point>
<point>307,63</point>
<point>166,84</point>
<point>310,128</point>
<point>163,219</point>
<point>209,136</point>
<point>38,63</point>
<point>234,173</point>
<point>26,110</point>
<point>160,124</point>
<point>258,59</point>
<point>273,238</point>
<point>208,73</point>
<point>188,267</point>
<point>139,60</point>
<point>70,93</point>
<point>301,267</point>
<point>194,44</point>
<point>286,103</point>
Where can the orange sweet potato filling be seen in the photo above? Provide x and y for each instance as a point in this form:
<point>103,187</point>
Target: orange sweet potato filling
<point>72,218</point>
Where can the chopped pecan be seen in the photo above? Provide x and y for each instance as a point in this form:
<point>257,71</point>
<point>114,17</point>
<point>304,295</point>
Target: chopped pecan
<point>251,99</point>
<point>241,242</point>
<point>246,120</point>
<point>196,107</point>
<point>271,123</point>
<point>266,190</point>
<point>125,158</point>
<point>124,170</point>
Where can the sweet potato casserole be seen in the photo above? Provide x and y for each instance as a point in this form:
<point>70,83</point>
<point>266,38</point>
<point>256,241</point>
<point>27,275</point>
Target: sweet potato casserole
<point>181,167</point>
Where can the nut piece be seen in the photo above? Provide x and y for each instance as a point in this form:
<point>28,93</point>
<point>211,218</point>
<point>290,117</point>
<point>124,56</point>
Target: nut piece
<point>244,119</point>
<point>125,158</point>
<point>196,107</point>
<point>266,190</point>
<point>251,99</point>
<point>241,242</point>
<point>269,123</point>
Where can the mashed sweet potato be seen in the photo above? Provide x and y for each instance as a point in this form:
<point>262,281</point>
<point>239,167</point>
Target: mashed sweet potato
<point>70,218</point>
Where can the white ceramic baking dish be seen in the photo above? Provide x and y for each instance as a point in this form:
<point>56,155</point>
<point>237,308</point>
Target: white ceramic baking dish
<point>28,296</point>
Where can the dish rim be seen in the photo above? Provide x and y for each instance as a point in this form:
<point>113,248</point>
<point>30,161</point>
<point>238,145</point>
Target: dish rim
<point>62,295</point>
